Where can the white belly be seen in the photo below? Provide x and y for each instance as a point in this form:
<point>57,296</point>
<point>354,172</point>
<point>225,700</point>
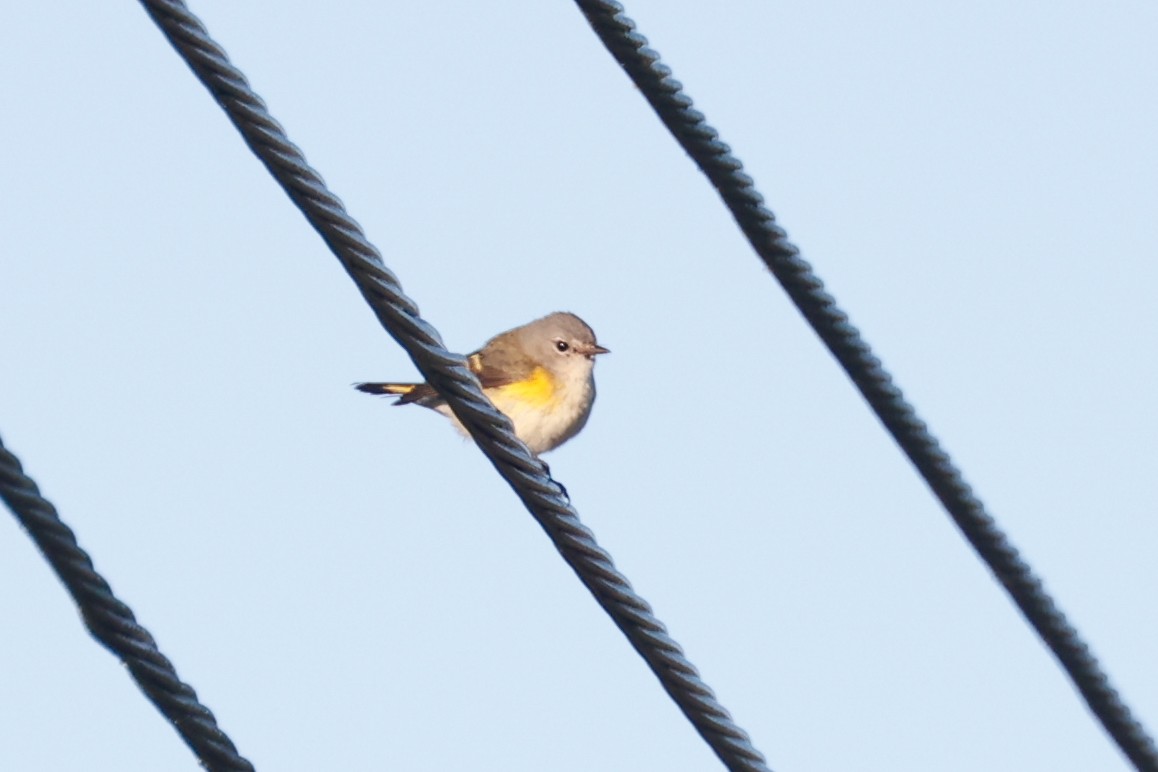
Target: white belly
<point>542,428</point>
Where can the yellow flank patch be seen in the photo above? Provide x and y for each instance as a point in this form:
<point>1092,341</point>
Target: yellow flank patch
<point>537,390</point>
<point>400,388</point>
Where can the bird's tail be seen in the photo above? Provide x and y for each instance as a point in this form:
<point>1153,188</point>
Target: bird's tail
<point>406,392</point>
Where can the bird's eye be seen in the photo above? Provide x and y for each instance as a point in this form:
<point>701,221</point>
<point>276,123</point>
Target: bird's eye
<point>562,346</point>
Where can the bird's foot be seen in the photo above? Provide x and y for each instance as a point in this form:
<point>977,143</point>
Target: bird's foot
<point>562,487</point>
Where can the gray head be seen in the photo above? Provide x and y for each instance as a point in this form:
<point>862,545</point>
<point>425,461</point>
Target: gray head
<point>561,341</point>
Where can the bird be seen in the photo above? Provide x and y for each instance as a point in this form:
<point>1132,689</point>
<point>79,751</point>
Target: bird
<point>540,375</point>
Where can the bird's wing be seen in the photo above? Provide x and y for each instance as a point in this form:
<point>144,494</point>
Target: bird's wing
<point>493,369</point>
<point>500,368</point>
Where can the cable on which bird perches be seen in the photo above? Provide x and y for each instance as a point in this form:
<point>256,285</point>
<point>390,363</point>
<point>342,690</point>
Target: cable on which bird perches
<point>714,158</point>
<point>449,374</point>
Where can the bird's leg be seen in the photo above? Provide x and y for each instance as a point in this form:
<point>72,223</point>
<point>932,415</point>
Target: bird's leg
<point>562,487</point>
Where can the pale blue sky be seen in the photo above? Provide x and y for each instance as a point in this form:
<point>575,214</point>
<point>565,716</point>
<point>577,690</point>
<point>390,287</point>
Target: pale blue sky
<point>351,587</point>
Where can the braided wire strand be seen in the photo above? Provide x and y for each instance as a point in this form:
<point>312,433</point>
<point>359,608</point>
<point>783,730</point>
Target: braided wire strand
<point>112,623</point>
<point>449,374</point>
<point>714,158</point>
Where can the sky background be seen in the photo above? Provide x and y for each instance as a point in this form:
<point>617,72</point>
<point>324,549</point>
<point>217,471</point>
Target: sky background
<point>352,587</point>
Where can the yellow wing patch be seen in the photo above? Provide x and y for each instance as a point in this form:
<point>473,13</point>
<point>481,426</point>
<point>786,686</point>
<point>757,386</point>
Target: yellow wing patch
<point>538,390</point>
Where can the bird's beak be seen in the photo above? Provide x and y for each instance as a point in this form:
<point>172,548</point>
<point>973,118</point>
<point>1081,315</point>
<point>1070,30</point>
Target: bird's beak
<point>597,349</point>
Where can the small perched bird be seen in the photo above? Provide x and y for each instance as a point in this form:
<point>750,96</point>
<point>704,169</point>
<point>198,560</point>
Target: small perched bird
<point>541,375</point>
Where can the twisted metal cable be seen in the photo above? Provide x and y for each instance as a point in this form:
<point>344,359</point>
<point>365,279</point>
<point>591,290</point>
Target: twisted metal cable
<point>714,158</point>
<point>449,374</point>
<point>112,623</point>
